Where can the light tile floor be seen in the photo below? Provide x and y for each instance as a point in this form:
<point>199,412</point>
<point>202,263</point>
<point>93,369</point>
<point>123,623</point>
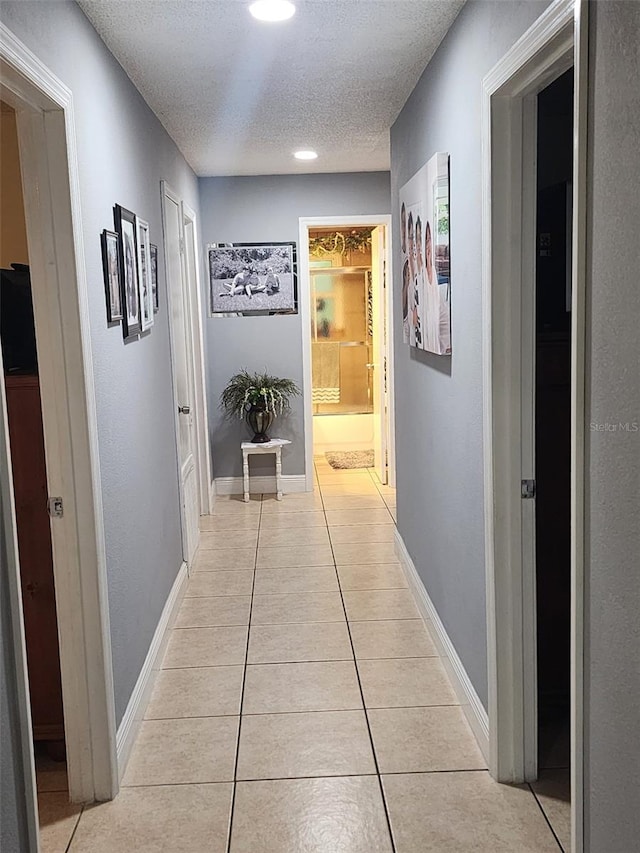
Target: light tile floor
<point>302,706</point>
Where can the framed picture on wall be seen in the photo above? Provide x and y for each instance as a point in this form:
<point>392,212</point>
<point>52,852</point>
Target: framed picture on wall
<point>144,272</point>
<point>125,222</point>
<point>111,273</point>
<point>252,279</point>
<point>424,279</point>
<point>154,277</point>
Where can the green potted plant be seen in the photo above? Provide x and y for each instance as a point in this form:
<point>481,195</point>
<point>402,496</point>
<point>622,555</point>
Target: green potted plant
<point>258,398</point>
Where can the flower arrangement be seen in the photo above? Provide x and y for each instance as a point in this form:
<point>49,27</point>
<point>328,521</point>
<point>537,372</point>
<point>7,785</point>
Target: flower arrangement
<point>340,242</point>
<point>246,390</point>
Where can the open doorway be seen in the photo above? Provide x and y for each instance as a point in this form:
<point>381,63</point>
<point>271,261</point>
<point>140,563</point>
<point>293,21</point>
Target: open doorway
<point>346,326</point>
<point>553,432</point>
<point>534,299</point>
<point>29,475</point>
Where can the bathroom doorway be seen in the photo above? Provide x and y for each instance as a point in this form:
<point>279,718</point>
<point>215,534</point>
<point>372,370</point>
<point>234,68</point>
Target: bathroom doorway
<point>346,322</point>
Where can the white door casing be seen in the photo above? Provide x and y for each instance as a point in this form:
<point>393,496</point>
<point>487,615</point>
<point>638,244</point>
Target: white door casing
<point>379,379</point>
<point>182,367</point>
<point>555,42</point>
<point>304,302</point>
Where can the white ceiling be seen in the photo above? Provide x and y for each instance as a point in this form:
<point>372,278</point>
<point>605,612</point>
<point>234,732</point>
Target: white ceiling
<point>239,96</point>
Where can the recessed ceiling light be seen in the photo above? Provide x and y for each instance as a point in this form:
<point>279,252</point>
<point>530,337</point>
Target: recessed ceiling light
<point>272,10</point>
<point>305,155</point>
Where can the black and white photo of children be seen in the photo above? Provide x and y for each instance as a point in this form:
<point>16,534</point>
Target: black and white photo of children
<point>252,278</point>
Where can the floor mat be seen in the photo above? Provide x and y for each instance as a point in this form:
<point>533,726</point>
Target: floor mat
<point>350,458</point>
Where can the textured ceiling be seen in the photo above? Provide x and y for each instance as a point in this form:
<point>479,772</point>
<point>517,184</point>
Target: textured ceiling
<point>239,96</point>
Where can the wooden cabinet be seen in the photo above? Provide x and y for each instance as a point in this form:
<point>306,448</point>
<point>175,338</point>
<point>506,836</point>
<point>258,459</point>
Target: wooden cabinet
<point>36,559</point>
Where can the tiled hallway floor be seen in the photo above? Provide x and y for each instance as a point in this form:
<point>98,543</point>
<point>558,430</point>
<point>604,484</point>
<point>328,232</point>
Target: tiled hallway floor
<point>302,706</point>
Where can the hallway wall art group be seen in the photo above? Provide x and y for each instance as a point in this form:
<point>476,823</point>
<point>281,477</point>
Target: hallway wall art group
<point>130,270</point>
<point>425,277</point>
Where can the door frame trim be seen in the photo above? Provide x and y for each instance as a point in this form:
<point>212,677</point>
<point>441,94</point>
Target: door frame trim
<point>556,40</point>
<point>304,302</point>
<point>51,187</point>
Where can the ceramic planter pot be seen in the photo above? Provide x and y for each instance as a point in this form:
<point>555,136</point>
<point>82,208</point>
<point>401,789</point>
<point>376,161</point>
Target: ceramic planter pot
<point>259,420</point>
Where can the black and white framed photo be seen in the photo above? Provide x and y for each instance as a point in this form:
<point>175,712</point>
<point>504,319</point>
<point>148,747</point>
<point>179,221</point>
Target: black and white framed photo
<point>144,273</point>
<point>126,228</point>
<point>154,277</point>
<point>111,272</point>
<point>252,279</point>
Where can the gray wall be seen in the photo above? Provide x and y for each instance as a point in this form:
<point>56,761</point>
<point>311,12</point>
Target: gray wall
<point>123,154</point>
<point>439,400</point>
<point>612,702</point>
<point>255,209</point>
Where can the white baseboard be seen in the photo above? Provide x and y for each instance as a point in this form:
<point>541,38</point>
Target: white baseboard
<point>261,485</point>
<point>133,716</point>
<point>473,708</point>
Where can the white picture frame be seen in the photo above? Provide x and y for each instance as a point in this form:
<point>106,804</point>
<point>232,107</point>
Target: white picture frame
<point>145,277</point>
<point>424,280</point>
<point>252,279</point>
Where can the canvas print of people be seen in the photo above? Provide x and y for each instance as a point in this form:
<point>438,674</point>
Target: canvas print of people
<point>424,238</point>
<point>252,278</point>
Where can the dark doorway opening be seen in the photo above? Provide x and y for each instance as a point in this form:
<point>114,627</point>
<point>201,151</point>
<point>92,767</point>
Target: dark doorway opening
<point>553,424</point>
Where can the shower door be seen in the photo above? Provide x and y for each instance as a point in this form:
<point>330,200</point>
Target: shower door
<point>341,339</point>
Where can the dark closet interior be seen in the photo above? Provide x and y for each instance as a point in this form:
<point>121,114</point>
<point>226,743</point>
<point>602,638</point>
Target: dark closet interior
<point>553,419</point>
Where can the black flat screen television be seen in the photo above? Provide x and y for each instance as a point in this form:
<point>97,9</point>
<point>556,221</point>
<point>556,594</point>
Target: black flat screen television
<point>17,329</point>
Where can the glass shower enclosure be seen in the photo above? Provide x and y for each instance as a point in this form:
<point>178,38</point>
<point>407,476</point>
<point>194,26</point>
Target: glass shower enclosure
<point>341,339</point>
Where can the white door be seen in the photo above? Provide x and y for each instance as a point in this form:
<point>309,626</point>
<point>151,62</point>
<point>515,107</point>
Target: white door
<point>201,431</point>
<point>181,349</point>
<point>379,365</point>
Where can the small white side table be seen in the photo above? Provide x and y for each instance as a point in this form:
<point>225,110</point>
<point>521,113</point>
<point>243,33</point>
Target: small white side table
<point>274,446</point>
